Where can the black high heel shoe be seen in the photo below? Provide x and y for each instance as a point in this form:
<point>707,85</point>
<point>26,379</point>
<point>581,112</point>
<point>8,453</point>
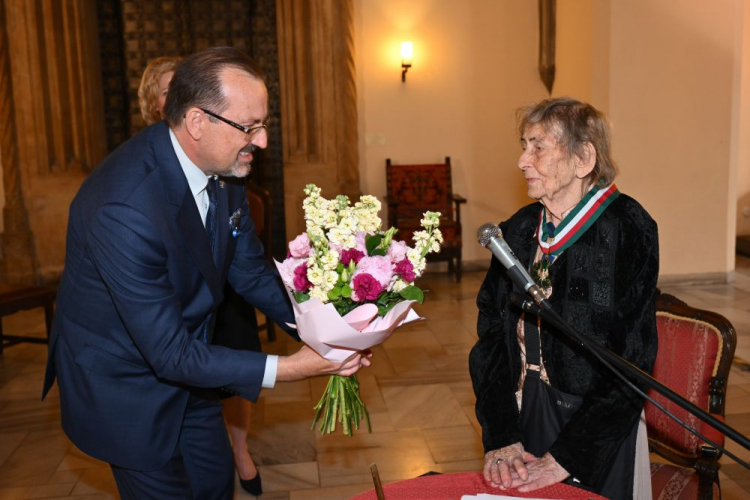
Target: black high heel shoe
<point>252,486</point>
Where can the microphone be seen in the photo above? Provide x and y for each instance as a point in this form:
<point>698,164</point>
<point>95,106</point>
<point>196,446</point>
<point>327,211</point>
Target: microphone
<point>491,237</point>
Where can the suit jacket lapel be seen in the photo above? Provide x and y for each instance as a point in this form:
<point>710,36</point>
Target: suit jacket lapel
<point>187,217</point>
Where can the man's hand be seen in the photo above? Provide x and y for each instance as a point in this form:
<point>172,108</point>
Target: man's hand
<point>506,466</point>
<point>307,363</point>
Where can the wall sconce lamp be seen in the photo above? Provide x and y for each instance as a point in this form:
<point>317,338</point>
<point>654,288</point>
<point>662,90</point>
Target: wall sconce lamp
<point>407,51</point>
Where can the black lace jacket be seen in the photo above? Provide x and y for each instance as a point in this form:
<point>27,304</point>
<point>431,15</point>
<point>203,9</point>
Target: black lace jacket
<point>604,287</point>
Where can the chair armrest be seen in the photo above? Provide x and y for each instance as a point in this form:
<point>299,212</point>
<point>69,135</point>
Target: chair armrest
<point>457,201</point>
<point>709,453</point>
<point>674,456</point>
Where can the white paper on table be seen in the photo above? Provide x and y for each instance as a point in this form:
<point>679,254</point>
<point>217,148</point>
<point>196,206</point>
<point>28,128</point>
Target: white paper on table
<point>335,337</point>
<point>487,496</point>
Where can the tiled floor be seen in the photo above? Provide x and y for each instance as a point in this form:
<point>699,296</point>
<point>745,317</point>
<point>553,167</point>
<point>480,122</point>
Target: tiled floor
<point>418,392</point>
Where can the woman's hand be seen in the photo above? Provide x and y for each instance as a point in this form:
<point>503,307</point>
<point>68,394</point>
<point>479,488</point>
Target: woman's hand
<point>506,466</point>
<point>540,473</point>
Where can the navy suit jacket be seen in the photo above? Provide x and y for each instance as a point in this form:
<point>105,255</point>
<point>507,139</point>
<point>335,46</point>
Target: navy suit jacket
<point>131,334</point>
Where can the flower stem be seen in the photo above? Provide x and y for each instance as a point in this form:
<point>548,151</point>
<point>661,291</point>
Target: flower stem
<point>341,402</point>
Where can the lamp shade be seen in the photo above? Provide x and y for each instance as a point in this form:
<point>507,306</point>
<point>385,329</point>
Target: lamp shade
<point>407,51</point>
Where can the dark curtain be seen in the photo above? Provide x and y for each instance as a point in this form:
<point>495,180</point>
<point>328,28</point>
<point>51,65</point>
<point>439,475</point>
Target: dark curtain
<point>133,32</point>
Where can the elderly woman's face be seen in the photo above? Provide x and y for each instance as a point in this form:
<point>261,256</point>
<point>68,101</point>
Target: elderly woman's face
<point>162,95</point>
<point>549,172</point>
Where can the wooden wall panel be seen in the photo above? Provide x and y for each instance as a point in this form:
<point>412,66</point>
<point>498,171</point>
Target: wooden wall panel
<point>318,101</point>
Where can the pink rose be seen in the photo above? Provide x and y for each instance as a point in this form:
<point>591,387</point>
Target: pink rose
<point>378,267</point>
<point>405,269</point>
<point>397,251</point>
<point>299,247</point>
<point>365,287</point>
<point>301,283</point>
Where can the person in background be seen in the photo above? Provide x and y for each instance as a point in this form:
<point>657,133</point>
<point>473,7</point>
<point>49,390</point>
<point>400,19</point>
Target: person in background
<point>154,234</point>
<point>152,92</point>
<point>236,325</point>
<point>594,253</point>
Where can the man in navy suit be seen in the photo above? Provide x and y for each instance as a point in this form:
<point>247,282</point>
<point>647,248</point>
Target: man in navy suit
<point>131,342</point>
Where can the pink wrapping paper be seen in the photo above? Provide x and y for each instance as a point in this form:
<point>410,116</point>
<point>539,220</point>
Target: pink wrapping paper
<point>335,337</point>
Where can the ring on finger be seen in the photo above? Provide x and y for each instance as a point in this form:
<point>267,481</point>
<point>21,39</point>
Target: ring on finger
<point>497,462</point>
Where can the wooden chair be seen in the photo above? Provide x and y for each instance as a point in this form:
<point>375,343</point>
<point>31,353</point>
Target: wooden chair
<point>260,210</point>
<point>696,349</point>
<point>14,298</point>
<point>415,189</point>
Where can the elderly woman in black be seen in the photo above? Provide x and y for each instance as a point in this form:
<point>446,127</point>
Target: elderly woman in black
<point>594,252</point>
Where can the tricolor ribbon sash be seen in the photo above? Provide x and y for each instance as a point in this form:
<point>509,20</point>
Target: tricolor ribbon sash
<point>583,215</point>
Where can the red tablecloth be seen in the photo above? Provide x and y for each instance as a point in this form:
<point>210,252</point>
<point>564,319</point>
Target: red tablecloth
<point>453,486</point>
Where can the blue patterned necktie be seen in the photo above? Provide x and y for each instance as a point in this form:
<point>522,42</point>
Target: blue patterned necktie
<point>211,191</point>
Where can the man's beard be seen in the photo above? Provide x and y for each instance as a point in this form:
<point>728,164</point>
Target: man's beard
<point>240,170</point>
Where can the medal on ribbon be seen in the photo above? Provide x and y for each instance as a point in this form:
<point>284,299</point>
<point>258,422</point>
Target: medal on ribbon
<point>554,240</point>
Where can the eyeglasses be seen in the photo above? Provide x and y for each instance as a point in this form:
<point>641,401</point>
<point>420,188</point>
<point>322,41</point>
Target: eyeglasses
<point>250,131</point>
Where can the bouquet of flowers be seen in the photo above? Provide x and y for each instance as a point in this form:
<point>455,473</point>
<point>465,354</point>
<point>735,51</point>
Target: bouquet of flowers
<point>352,284</point>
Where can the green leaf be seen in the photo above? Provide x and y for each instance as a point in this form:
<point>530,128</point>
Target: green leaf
<point>372,241</point>
<point>412,293</point>
<point>334,294</point>
<point>346,291</point>
<point>301,297</point>
<point>383,310</point>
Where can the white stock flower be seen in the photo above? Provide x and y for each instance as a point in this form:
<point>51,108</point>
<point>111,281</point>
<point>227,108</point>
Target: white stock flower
<point>330,260</point>
<point>420,236</point>
<point>367,221</point>
<point>417,261</point>
<point>420,267</point>
<point>348,224</point>
<point>319,294</point>
<point>430,219</point>
<point>319,217</point>
<point>315,233</point>
<point>338,235</point>
<point>315,275</point>
<point>370,201</point>
<point>342,201</point>
<point>330,219</point>
<point>399,285</point>
<point>330,278</point>
<point>349,242</point>
<point>311,190</point>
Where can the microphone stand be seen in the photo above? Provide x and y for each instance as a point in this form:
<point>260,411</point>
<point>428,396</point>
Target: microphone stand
<point>613,362</point>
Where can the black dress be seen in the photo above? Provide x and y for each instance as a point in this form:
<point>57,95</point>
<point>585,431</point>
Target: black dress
<point>603,286</point>
<point>236,325</point>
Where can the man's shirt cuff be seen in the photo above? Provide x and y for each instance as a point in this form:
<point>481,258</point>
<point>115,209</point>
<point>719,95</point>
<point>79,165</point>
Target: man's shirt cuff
<point>269,376</point>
